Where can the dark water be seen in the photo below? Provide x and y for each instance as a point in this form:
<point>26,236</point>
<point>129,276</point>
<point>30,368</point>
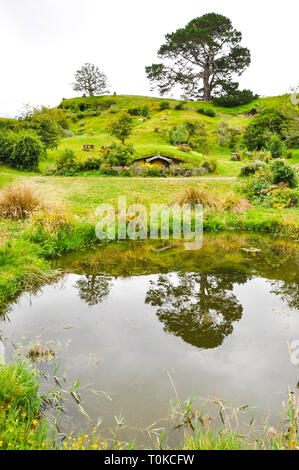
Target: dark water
<point>123,317</point>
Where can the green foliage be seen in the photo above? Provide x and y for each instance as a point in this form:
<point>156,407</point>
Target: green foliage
<point>117,155</point>
<point>45,126</point>
<point>207,46</point>
<point>22,150</point>
<point>283,173</point>
<point>164,105</point>
<point>280,198</point>
<point>263,125</point>
<point>207,112</point>
<point>139,111</point>
<point>154,170</point>
<point>239,97</point>
<point>210,164</point>
<point>252,167</point>
<point>179,106</point>
<point>178,134</point>
<point>121,127</point>
<point>276,146</point>
<point>227,135</point>
<point>66,162</point>
<point>20,424</point>
<point>57,233</point>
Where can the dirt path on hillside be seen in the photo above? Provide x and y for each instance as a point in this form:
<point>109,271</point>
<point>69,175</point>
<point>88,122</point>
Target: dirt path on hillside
<point>191,178</point>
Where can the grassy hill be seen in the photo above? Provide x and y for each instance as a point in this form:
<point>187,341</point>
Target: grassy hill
<point>89,116</point>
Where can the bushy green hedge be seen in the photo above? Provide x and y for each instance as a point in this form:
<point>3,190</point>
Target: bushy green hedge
<point>207,112</point>
<point>22,150</point>
<point>237,98</point>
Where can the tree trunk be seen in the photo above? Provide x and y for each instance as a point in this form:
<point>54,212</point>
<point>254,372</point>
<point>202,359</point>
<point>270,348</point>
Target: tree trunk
<point>206,84</point>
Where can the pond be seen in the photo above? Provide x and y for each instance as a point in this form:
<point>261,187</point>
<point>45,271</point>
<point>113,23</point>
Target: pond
<point>126,319</point>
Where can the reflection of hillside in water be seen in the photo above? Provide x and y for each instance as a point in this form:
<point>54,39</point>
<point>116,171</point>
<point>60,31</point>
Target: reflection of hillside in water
<point>198,303</point>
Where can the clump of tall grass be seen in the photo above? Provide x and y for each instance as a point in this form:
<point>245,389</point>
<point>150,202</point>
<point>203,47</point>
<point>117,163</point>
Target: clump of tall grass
<point>57,232</point>
<point>18,202</point>
<point>198,196</point>
<point>52,220</point>
<point>21,424</point>
<point>234,203</point>
<point>230,202</point>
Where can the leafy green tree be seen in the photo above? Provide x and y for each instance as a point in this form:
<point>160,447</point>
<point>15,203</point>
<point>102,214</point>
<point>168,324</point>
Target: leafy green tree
<point>46,127</point>
<point>269,121</point>
<point>49,124</point>
<point>276,146</point>
<point>202,57</point>
<point>121,127</point>
<point>89,79</point>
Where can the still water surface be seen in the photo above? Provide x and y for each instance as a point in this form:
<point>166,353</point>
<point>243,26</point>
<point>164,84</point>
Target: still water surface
<point>123,317</point>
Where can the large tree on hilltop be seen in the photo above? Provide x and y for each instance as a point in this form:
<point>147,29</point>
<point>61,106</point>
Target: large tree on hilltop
<point>89,79</point>
<point>202,58</point>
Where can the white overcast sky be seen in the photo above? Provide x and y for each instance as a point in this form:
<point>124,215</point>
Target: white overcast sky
<point>43,42</point>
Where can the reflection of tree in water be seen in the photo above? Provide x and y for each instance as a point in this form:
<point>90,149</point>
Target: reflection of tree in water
<point>288,291</point>
<point>198,307</point>
<point>93,288</point>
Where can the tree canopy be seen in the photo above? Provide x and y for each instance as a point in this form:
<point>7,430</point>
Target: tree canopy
<point>121,127</point>
<point>202,58</point>
<point>89,79</point>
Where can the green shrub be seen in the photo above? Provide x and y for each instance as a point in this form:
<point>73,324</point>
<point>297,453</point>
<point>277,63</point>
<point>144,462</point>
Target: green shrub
<point>22,150</point>
<point>258,183</point>
<point>164,105</point>
<point>179,106</point>
<point>281,198</point>
<point>283,173</point>
<point>210,164</point>
<point>238,97</point>
<point>27,150</point>
<point>276,146</point>
<point>117,155</point>
<point>6,145</point>
<point>178,134</point>
<point>90,164</point>
<point>263,125</point>
<point>252,168</point>
<point>154,170</point>
<point>207,112</point>
<point>66,162</point>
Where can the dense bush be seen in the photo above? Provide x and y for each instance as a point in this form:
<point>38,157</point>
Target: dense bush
<point>283,173</point>
<point>140,111</point>
<point>268,122</point>
<point>154,170</point>
<point>178,134</point>
<point>117,155</point>
<point>22,150</point>
<point>276,146</point>
<point>207,112</point>
<point>179,106</point>
<point>6,145</point>
<point>66,162</point>
<point>238,97</point>
<point>252,167</point>
<point>210,164</point>
<point>164,105</point>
